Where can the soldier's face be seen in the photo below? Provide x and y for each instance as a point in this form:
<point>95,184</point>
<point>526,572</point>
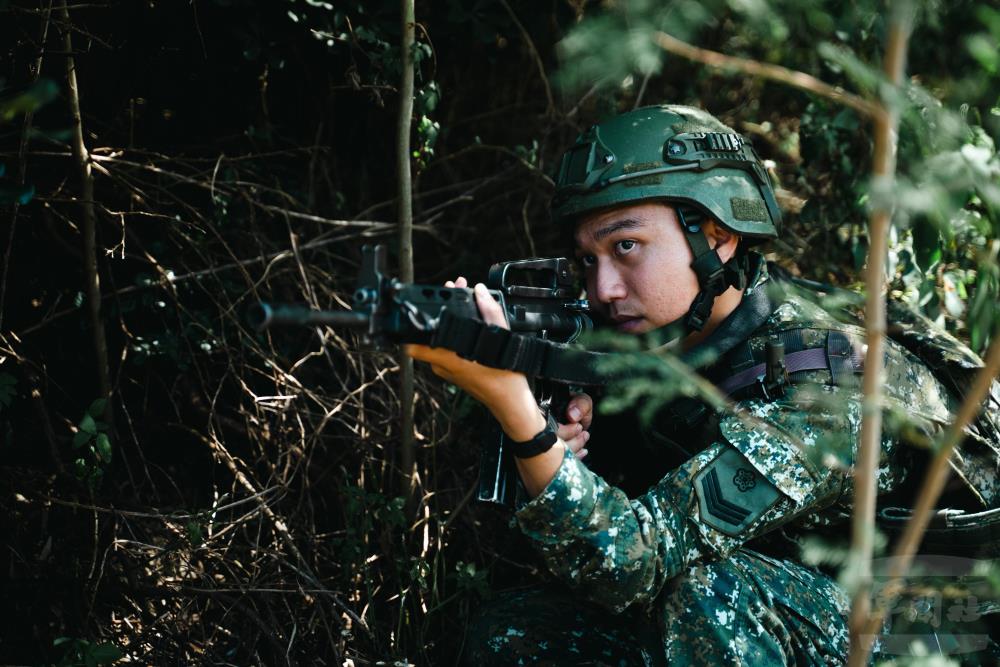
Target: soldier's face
<point>637,265</point>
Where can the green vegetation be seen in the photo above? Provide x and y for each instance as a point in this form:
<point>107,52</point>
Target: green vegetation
<point>237,498</point>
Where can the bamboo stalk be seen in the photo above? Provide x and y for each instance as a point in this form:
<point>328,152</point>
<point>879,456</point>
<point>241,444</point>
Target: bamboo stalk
<point>869,446</point>
<point>407,456</point>
<point>92,279</point>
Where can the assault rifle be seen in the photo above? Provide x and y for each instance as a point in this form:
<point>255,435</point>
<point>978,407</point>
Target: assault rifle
<point>539,297</point>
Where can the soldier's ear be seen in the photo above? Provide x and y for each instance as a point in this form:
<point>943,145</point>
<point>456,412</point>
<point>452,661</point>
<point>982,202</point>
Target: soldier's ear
<point>720,238</point>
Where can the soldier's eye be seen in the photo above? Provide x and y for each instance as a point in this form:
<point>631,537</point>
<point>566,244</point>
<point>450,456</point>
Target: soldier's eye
<point>587,260</point>
<point>625,246</point>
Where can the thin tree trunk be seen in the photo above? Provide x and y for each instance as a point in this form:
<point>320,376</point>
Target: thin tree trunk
<point>869,448</point>
<point>92,280</point>
<point>406,394</point>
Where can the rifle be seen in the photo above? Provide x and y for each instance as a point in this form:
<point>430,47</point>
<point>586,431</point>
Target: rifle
<point>538,296</point>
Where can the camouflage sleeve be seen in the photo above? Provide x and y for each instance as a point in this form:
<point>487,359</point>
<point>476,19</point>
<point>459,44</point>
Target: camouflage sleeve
<point>619,552</point>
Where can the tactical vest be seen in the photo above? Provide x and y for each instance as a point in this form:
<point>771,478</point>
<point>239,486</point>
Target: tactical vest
<point>927,374</point>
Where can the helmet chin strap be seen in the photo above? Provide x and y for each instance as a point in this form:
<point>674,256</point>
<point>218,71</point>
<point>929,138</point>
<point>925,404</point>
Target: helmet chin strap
<point>714,276</point>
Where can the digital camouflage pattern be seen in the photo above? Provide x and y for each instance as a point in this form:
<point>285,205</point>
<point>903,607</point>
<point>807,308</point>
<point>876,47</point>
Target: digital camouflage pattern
<point>744,610</point>
<point>676,556</point>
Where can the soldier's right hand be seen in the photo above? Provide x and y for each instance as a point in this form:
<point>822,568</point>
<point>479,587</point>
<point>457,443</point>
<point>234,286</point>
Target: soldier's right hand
<point>579,415</point>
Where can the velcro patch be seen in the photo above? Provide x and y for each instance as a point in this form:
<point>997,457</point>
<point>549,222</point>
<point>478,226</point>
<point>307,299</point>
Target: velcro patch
<point>652,179</point>
<point>749,209</point>
<point>732,494</point>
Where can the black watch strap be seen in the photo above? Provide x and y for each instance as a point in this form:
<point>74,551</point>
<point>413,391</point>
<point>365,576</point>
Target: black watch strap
<point>540,443</point>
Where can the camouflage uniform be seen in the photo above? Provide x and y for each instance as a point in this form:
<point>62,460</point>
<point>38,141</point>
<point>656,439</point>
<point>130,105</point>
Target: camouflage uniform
<point>674,559</point>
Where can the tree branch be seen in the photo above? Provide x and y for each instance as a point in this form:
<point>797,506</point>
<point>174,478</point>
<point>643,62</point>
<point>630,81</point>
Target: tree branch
<point>793,78</point>
<point>535,55</point>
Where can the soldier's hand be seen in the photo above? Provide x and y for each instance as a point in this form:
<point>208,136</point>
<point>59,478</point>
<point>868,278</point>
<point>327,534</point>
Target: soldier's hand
<point>579,414</point>
<point>505,393</point>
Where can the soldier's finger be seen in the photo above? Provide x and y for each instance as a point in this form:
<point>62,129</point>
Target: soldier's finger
<point>568,431</point>
<point>580,409</point>
<point>449,283</point>
<point>576,445</point>
<point>436,356</point>
<point>419,352</point>
<point>491,311</point>
<point>461,282</point>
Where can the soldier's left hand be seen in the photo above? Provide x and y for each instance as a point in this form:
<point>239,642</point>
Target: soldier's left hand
<point>505,393</point>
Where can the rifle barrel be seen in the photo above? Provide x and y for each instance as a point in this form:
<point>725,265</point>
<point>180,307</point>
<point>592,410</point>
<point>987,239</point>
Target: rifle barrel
<point>263,315</point>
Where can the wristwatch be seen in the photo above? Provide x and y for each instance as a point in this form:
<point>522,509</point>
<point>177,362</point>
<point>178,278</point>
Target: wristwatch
<point>540,443</point>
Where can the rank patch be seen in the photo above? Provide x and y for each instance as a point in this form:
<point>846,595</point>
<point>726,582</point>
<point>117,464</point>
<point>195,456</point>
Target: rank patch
<point>732,494</point>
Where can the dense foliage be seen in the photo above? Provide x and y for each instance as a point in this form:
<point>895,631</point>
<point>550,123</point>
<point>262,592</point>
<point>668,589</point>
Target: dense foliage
<point>236,500</point>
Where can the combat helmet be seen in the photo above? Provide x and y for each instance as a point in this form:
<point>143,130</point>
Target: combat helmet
<point>687,157</point>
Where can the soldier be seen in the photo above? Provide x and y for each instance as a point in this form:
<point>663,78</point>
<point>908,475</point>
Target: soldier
<point>666,204</point>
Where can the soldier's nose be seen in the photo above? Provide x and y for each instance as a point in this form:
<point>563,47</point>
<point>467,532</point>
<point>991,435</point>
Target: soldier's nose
<point>609,285</point>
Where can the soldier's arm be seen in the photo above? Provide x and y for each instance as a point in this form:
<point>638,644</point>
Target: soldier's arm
<point>508,397</point>
<point>620,552</point>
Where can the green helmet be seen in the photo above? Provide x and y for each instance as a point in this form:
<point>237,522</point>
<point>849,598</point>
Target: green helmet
<point>674,153</point>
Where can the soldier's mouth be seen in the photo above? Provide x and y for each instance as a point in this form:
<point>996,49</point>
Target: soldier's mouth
<point>628,324</point>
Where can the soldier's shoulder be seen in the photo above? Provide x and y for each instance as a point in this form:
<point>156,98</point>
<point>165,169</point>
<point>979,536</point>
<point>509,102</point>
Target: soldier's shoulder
<point>923,337</point>
<point>795,309</point>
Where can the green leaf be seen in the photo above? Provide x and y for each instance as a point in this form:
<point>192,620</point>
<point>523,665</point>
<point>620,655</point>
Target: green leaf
<point>103,444</point>
<point>105,654</point>
<point>88,425</point>
<point>21,194</point>
<point>8,389</point>
<point>80,438</point>
<point>926,244</point>
<point>96,408</point>
<point>195,534</point>
<point>983,48</point>
<point>41,93</point>
<point>847,119</point>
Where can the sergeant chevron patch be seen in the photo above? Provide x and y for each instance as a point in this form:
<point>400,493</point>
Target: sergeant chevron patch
<point>732,494</point>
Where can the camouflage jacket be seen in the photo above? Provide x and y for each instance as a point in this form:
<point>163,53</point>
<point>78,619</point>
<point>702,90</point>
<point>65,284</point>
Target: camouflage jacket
<point>772,463</point>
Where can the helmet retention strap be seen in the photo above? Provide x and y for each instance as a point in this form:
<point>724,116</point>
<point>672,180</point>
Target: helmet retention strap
<point>714,276</point>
